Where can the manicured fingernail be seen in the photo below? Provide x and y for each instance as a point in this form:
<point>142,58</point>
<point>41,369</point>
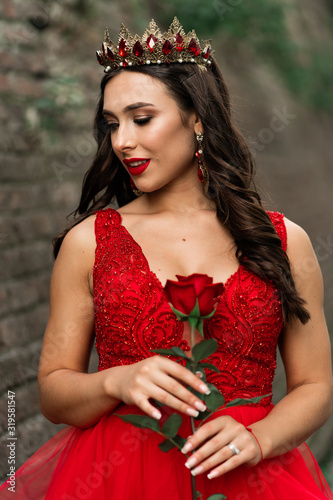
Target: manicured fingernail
<point>199,374</point>
<point>200,406</point>
<point>191,462</point>
<point>192,412</point>
<point>187,447</point>
<point>197,470</point>
<point>204,389</point>
<point>212,474</point>
<point>156,414</point>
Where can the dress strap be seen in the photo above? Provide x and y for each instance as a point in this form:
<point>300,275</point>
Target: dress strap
<point>106,221</point>
<point>278,221</point>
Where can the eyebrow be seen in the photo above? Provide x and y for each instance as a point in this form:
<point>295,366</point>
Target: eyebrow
<point>136,105</point>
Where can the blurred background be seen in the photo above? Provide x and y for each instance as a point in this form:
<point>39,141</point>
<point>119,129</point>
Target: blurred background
<point>276,57</point>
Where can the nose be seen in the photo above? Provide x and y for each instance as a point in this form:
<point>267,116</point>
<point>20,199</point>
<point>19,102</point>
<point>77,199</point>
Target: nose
<point>123,139</point>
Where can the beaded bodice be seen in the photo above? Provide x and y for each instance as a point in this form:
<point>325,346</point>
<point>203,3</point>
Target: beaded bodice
<point>132,315</point>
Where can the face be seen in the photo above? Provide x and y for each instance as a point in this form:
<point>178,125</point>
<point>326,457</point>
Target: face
<point>148,135</point>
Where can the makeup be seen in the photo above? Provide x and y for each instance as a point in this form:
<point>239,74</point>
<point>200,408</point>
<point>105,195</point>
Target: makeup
<point>136,166</point>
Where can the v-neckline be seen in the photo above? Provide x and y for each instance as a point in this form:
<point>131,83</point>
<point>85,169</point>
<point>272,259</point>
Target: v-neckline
<point>152,273</point>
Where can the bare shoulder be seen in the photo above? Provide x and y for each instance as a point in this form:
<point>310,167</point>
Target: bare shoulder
<point>76,256</point>
<point>81,238</point>
<point>298,241</point>
<point>303,261</point>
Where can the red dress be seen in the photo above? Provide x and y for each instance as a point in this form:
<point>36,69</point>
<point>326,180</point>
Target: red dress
<point>113,460</point>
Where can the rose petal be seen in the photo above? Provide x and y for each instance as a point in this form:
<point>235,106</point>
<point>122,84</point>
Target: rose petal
<point>207,298</point>
<point>181,295</point>
<point>198,280</point>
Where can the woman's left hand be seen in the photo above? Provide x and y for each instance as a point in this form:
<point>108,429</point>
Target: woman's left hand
<point>213,451</point>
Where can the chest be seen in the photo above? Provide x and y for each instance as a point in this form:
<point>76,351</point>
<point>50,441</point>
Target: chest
<point>186,249</point>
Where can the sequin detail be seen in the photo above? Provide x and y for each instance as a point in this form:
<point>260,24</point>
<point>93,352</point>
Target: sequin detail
<point>132,315</point>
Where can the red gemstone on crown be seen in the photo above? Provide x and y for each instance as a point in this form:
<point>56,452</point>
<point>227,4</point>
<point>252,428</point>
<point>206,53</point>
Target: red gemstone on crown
<point>125,63</point>
<point>207,52</point>
<point>193,47</point>
<point>151,40</point>
<point>103,48</point>
<point>138,49</point>
<point>110,54</point>
<point>179,42</point>
<point>167,47</point>
<point>178,38</point>
<point>122,48</point>
<point>99,57</point>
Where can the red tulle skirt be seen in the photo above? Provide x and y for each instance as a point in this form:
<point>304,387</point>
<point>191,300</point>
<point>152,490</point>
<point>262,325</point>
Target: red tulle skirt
<point>114,460</point>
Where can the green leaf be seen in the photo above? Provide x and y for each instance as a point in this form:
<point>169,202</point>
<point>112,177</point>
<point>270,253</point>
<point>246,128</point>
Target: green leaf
<point>215,399</point>
<point>179,352</point>
<point>204,349</point>
<point>141,421</point>
<point>216,496</point>
<point>171,426</point>
<point>180,441</point>
<point>210,367</point>
<point>242,401</point>
<point>199,395</point>
<point>202,415</point>
<point>157,403</point>
<point>180,316</point>
<point>166,446</point>
<point>164,352</point>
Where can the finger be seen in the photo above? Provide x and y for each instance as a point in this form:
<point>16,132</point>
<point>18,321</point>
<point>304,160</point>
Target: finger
<point>206,432</point>
<point>168,399</point>
<point>174,388</point>
<point>230,464</point>
<point>213,461</point>
<point>186,376</point>
<point>227,466</point>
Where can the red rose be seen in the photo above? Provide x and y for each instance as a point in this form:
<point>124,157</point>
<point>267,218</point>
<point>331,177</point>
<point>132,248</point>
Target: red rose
<point>184,293</point>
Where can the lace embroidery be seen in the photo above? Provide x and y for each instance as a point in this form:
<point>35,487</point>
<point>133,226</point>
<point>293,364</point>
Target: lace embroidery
<point>132,315</point>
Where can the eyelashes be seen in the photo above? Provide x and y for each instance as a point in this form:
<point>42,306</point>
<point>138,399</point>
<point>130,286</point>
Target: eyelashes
<point>138,121</point>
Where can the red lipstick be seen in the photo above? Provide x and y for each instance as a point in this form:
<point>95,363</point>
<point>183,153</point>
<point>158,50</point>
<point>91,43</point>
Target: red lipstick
<point>136,169</point>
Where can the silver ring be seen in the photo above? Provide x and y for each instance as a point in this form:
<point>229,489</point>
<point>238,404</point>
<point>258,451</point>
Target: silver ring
<point>234,449</point>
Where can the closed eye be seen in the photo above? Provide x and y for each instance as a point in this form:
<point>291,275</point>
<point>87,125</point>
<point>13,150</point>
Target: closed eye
<point>142,121</point>
<point>112,126</point>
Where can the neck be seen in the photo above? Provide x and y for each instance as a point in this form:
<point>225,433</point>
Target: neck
<point>178,199</point>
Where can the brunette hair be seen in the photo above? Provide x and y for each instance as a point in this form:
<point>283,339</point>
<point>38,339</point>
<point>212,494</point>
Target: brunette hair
<point>231,171</point>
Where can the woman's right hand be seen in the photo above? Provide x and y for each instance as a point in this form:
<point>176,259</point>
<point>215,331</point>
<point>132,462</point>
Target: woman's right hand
<point>158,378</point>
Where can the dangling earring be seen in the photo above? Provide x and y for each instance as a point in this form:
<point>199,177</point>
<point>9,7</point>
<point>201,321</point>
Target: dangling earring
<point>202,169</point>
<point>135,190</point>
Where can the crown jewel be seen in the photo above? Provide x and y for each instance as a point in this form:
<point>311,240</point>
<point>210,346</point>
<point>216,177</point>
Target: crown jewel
<point>154,47</point>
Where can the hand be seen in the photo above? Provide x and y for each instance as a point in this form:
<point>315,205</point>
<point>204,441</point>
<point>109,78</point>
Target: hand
<point>161,379</point>
<point>213,454</point>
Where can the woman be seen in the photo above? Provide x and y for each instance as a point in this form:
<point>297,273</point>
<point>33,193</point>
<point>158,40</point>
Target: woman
<point>156,123</point>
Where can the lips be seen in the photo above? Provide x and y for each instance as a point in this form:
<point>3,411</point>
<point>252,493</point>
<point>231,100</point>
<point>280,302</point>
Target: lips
<point>136,165</point>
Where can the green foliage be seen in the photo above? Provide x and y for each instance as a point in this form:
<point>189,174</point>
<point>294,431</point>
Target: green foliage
<point>204,349</point>
<point>307,70</point>
<point>143,422</point>
<point>216,496</point>
<point>171,426</point>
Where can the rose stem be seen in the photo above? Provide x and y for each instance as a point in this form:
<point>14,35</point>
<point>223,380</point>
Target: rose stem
<point>194,488</point>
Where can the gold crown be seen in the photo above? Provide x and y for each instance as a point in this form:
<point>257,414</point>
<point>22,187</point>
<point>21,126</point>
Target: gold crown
<point>173,46</point>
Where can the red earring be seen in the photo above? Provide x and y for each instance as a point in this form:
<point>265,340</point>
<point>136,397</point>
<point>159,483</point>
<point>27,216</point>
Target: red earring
<point>202,170</point>
<point>135,190</point>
